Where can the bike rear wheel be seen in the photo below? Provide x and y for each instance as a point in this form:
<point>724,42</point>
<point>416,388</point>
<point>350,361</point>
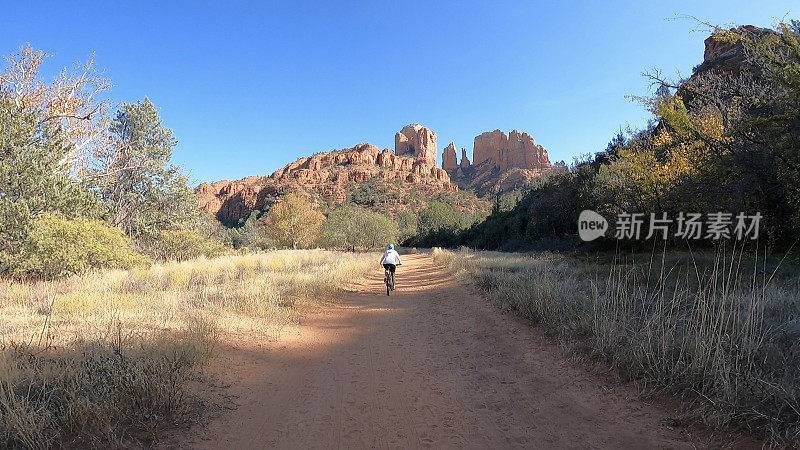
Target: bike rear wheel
<point>389,283</point>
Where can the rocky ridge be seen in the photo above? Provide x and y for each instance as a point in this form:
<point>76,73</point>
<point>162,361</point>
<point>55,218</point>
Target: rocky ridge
<point>328,176</point>
<point>388,180</point>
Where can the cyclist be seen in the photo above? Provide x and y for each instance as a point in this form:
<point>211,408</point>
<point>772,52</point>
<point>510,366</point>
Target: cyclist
<point>390,261</point>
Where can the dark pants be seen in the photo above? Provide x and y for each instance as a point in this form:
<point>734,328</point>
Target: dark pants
<point>390,267</point>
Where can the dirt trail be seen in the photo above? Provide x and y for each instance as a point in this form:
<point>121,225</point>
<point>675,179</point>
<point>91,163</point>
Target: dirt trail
<point>434,365</point>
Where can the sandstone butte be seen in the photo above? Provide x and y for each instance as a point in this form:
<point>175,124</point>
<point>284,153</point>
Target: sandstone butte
<point>417,141</point>
<point>326,176</point>
<point>500,162</point>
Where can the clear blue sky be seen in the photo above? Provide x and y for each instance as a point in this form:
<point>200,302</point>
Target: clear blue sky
<point>250,87</point>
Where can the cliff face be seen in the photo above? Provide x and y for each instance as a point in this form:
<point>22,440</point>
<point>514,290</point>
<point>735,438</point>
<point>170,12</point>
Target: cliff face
<point>508,151</point>
<point>724,56</point>
<point>231,200</point>
<point>417,141</point>
<point>501,162</point>
<point>327,176</point>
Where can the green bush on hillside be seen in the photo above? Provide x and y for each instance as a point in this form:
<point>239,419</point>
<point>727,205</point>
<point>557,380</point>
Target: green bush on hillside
<point>408,224</point>
<point>251,234</point>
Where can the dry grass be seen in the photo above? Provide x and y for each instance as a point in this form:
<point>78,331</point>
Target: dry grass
<point>721,330</point>
<point>106,359</point>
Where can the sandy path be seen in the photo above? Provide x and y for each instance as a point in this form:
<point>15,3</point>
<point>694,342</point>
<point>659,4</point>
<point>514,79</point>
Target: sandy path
<point>434,365</point>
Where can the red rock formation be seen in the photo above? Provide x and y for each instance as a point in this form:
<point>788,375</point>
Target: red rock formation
<point>449,157</point>
<point>508,151</point>
<point>416,140</point>
<point>501,163</point>
<point>729,57</point>
<point>464,160</point>
<point>232,199</point>
<point>325,176</point>
<point>487,146</point>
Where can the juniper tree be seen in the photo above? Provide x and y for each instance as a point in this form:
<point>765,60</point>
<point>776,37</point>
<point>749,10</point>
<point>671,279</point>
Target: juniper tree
<point>44,127</point>
<point>34,174</point>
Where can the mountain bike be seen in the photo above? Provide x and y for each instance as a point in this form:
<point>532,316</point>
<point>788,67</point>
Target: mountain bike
<point>389,280</point>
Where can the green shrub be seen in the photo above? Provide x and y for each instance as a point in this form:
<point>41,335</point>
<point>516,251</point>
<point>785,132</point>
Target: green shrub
<point>439,224</point>
<point>354,227</point>
<point>58,247</point>
<point>250,234</point>
<point>439,216</point>
<point>182,245</point>
<point>407,223</point>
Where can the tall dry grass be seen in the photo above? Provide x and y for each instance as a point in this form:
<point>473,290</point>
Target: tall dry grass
<point>722,327</point>
<point>107,359</point>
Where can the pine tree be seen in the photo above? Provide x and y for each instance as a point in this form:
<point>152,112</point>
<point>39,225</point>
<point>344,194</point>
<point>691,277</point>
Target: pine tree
<point>143,192</point>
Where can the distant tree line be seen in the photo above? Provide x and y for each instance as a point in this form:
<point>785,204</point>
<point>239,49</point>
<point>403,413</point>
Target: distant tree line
<point>295,222</point>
